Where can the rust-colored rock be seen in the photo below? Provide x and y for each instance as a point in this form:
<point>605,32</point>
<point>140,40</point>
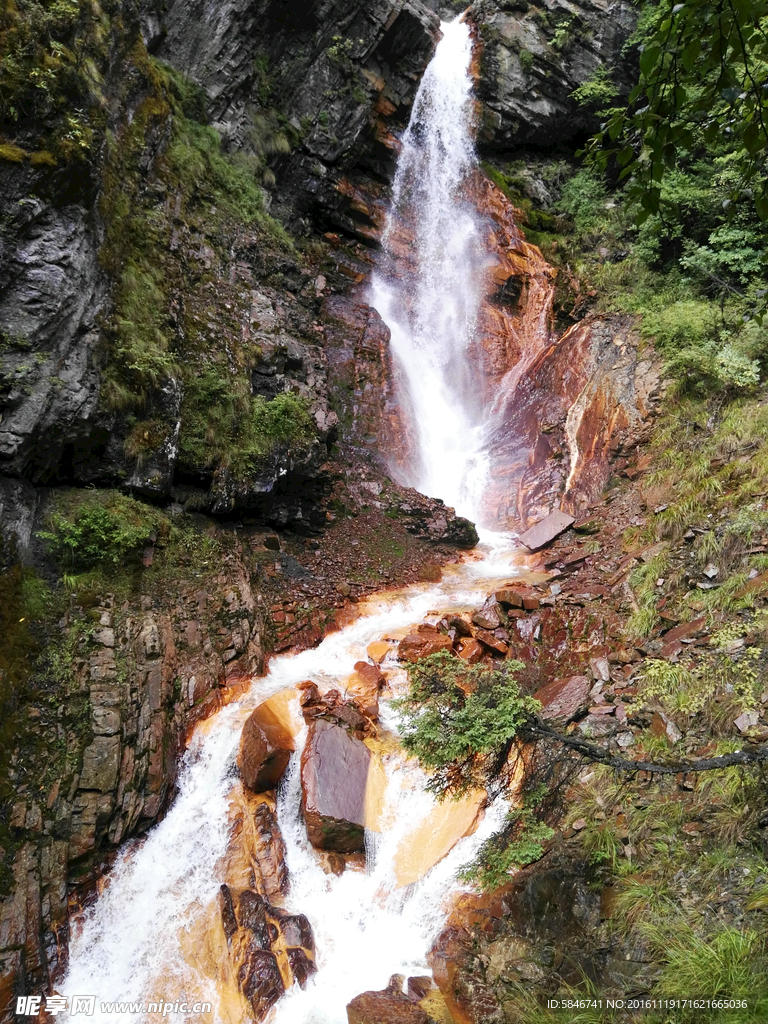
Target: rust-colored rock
<point>256,854</point>
<point>489,616</point>
<point>334,774</point>
<point>491,641</point>
<point>512,597</point>
<point>470,650</point>
<point>265,750</point>
<point>460,626</point>
<point>302,967</point>
<point>269,948</point>
<point>260,980</point>
<point>389,1006</point>
<point>364,685</point>
<point>416,646</point>
<point>332,707</point>
<point>564,699</point>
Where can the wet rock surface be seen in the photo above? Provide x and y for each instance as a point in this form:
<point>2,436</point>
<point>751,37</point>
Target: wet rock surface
<point>269,948</point>
<point>391,1005</point>
<point>334,775</point>
<point>422,644</point>
<point>265,750</point>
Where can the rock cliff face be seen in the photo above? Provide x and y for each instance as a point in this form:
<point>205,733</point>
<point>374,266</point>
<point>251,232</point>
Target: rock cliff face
<point>342,74</point>
<point>532,59</point>
<point>150,310</point>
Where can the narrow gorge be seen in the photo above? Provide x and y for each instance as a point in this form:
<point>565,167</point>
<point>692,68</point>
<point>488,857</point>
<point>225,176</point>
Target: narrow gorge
<point>325,395</point>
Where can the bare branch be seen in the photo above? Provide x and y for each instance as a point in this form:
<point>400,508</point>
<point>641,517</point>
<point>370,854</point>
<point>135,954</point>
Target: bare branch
<point>594,752</point>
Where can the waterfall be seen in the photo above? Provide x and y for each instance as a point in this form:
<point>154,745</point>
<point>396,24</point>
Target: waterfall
<point>430,300</point>
<point>145,937</point>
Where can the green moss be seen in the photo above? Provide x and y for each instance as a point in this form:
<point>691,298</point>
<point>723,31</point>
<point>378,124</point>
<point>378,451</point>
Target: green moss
<point>90,529</point>
<point>43,158</point>
<point>11,153</point>
<point>53,58</point>
<point>216,191</point>
<point>526,60</point>
<point>223,424</point>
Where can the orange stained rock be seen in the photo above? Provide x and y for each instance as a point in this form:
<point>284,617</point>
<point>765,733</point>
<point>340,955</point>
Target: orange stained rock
<point>210,965</point>
<point>283,708</point>
<point>251,860</point>
<point>436,836</point>
<point>376,817</point>
<point>436,1007</point>
<point>378,650</point>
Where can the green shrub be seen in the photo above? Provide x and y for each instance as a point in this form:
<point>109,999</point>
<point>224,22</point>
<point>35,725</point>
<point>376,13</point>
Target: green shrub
<point>583,199</point>
<point>526,60</point>
<point>99,529</point>
<point>458,719</point>
<point>223,424</point>
<point>521,842</point>
<point>597,91</point>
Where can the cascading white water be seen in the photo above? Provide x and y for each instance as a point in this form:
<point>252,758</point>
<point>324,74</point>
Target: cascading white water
<point>134,943</point>
<point>432,311</point>
<point>129,945</point>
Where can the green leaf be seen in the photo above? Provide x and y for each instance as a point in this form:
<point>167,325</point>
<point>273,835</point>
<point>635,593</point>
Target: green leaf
<point>648,59</point>
<point>753,141</point>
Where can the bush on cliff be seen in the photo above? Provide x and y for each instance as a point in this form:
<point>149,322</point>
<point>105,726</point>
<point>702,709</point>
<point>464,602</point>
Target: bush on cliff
<point>99,529</point>
<point>223,424</point>
<point>471,727</point>
<point>461,721</point>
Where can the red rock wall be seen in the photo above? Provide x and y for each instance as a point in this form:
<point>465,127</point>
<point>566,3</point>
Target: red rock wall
<point>558,405</point>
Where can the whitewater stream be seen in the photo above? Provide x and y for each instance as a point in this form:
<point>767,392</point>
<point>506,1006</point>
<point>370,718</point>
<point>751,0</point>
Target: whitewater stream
<point>139,940</point>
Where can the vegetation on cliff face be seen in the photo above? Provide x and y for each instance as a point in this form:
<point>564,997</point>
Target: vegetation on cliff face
<point>157,341</point>
<point>54,57</point>
<point>702,69</point>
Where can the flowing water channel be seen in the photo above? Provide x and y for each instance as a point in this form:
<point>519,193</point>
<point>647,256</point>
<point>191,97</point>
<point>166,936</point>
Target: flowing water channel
<point>147,936</point>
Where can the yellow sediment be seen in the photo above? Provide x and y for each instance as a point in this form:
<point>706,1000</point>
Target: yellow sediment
<point>204,946</point>
<point>435,837</point>
<point>283,709</point>
<point>376,788</point>
<point>435,1006</point>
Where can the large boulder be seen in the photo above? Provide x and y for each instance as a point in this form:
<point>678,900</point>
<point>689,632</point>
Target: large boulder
<point>420,644</point>
<point>389,1006</point>
<point>266,746</point>
<point>334,775</point>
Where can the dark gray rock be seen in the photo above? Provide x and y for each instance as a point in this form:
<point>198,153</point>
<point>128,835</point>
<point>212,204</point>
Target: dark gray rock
<point>340,71</point>
<point>528,101</point>
<point>545,531</point>
<point>51,292</point>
